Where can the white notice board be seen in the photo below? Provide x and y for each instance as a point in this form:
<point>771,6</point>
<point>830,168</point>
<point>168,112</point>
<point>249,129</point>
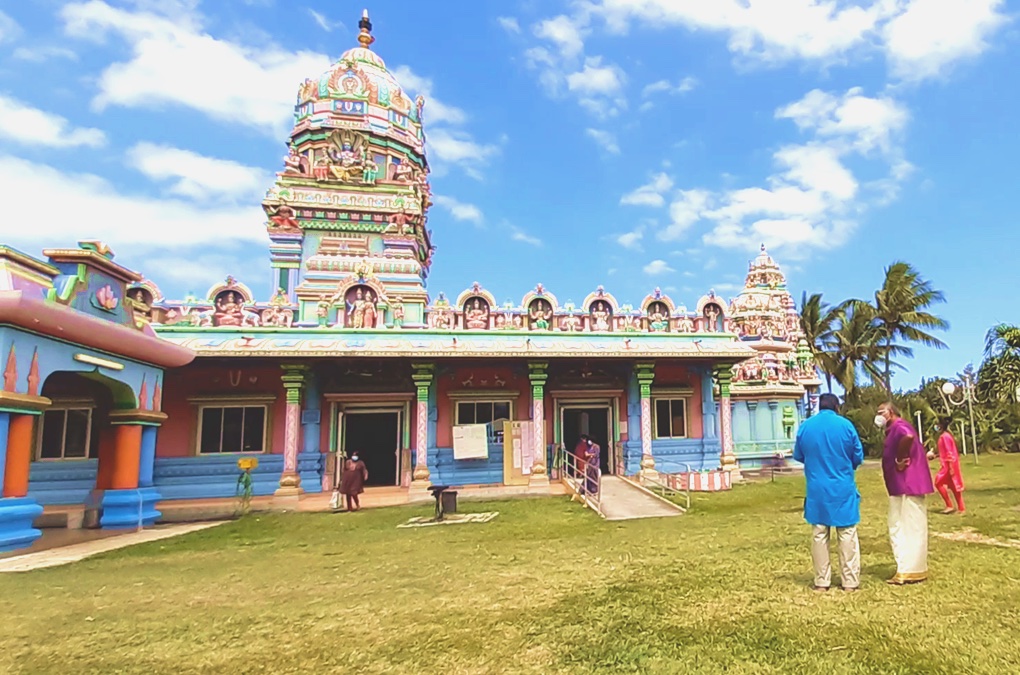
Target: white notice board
<point>471,441</point>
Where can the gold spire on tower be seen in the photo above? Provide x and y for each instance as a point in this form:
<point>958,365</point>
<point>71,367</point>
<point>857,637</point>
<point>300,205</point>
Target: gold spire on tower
<point>365,36</point>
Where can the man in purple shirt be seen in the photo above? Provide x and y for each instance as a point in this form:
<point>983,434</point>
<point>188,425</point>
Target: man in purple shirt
<point>908,481</point>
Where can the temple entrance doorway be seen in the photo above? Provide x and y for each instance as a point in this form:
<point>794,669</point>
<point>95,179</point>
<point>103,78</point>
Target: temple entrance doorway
<point>593,420</point>
<point>375,436</point>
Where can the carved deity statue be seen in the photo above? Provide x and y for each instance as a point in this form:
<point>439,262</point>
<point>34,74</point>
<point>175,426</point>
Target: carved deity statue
<point>293,163</point>
<point>370,312</point>
<point>403,173</point>
<point>356,309</point>
<point>397,309</point>
<point>322,310</point>
<point>711,319</point>
<point>540,313</point>
<point>402,221</point>
<point>684,324</point>
<point>476,316</point>
<point>228,311</point>
<point>600,315</point>
<point>570,323</point>
<point>283,217</point>
<point>369,169</point>
<point>658,319</point>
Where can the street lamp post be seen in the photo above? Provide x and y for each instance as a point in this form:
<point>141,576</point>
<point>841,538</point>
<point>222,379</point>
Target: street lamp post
<point>947,390</point>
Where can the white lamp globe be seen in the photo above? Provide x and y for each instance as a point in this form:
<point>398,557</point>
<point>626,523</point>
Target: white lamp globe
<point>948,388</point>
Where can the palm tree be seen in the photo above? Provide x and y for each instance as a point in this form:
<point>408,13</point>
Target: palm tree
<point>999,376</point>
<point>858,346</point>
<point>817,321</point>
<point>900,314</point>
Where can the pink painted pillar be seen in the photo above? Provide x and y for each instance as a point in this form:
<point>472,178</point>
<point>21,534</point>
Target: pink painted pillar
<point>645,374</point>
<point>422,376</point>
<point>538,376</point>
<point>728,460</point>
<point>293,381</point>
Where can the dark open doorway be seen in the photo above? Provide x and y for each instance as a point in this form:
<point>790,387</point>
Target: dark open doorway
<point>375,437</point>
<point>594,422</point>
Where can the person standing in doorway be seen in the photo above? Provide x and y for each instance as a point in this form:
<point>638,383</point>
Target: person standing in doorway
<point>830,450</point>
<point>949,478</point>
<point>352,483</point>
<point>591,458</point>
<point>908,482</point>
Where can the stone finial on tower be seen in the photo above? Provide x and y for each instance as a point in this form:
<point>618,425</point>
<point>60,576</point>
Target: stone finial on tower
<point>365,36</point>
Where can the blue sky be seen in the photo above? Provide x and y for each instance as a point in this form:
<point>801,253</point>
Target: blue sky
<point>628,143</point>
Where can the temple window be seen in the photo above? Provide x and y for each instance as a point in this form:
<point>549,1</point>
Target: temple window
<point>482,412</point>
<point>671,418</point>
<point>224,429</point>
<point>66,433</point>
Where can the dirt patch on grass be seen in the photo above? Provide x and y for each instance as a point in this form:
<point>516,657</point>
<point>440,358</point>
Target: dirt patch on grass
<point>969,535</point>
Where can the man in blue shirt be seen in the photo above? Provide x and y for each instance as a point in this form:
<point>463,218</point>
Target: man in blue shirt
<point>830,449</point>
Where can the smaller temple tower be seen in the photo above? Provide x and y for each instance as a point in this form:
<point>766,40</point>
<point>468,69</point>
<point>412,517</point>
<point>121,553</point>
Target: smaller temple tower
<point>770,391</point>
<point>347,215</point>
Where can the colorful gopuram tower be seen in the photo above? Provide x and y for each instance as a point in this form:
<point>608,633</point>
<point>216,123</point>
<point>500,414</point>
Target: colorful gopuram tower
<point>351,202</point>
<point>773,391</point>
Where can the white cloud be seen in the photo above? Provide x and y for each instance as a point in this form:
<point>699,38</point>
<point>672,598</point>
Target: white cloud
<point>595,79</point>
<point>564,32</point>
<point>445,142</point>
<point>196,176</point>
<point>605,139</point>
<point>657,267</point>
<point>632,239</point>
<point>684,212</point>
<point>931,34</point>
<point>39,54</point>
<point>650,194</point>
<point>518,234</point>
<point>458,147</point>
<point>324,22</point>
<point>9,28</point>
<point>119,218</point>
<point>436,112</point>
<point>24,124</point>
<point>769,30</point>
<point>460,210</point>
<point>509,24</point>
<point>174,62</point>
<point>866,122</point>
<point>682,87</point>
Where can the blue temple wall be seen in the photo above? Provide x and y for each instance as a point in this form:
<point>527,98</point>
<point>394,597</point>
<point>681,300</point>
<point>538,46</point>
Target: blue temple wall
<point>758,430</point>
<point>62,482</point>
<point>216,476</point>
<point>445,470</point>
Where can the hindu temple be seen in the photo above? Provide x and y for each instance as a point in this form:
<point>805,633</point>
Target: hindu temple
<point>116,399</point>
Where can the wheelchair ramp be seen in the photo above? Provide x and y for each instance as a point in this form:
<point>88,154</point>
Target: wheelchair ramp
<point>622,500</point>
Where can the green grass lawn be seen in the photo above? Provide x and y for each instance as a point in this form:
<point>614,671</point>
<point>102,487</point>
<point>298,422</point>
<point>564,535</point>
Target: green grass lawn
<point>546,587</point>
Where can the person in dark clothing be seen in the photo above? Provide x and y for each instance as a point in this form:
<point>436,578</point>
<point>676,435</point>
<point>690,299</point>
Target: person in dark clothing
<point>352,482</point>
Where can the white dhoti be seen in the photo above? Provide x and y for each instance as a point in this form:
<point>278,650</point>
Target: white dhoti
<point>849,548</point>
<point>908,534</point>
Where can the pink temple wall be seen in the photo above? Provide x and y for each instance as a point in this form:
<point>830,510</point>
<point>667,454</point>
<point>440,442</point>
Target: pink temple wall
<point>178,435</point>
<point>484,378</point>
<point>679,375</point>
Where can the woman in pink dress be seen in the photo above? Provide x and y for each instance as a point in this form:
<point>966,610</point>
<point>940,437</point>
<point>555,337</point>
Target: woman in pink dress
<point>949,477</point>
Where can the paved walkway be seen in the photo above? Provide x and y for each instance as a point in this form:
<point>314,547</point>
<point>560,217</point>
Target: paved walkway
<point>64,555</point>
<point>623,501</point>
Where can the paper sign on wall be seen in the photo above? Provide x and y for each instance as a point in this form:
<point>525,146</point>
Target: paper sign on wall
<point>470,441</point>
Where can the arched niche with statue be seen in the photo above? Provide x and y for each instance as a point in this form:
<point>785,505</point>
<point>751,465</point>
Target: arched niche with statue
<point>476,306</point>
<point>711,315</point>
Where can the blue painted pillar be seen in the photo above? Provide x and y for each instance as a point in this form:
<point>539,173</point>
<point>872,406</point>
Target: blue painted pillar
<point>311,418</point>
<point>777,421</point>
<point>752,413</point>
<point>633,445</point>
<point>708,406</point>
<point>5,424</point>
<point>147,459</point>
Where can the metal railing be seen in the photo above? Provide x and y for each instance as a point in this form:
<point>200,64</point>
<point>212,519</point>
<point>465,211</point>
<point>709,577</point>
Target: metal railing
<point>583,479</point>
<point>660,487</point>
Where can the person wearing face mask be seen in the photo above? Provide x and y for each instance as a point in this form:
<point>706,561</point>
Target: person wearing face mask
<point>908,482</point>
